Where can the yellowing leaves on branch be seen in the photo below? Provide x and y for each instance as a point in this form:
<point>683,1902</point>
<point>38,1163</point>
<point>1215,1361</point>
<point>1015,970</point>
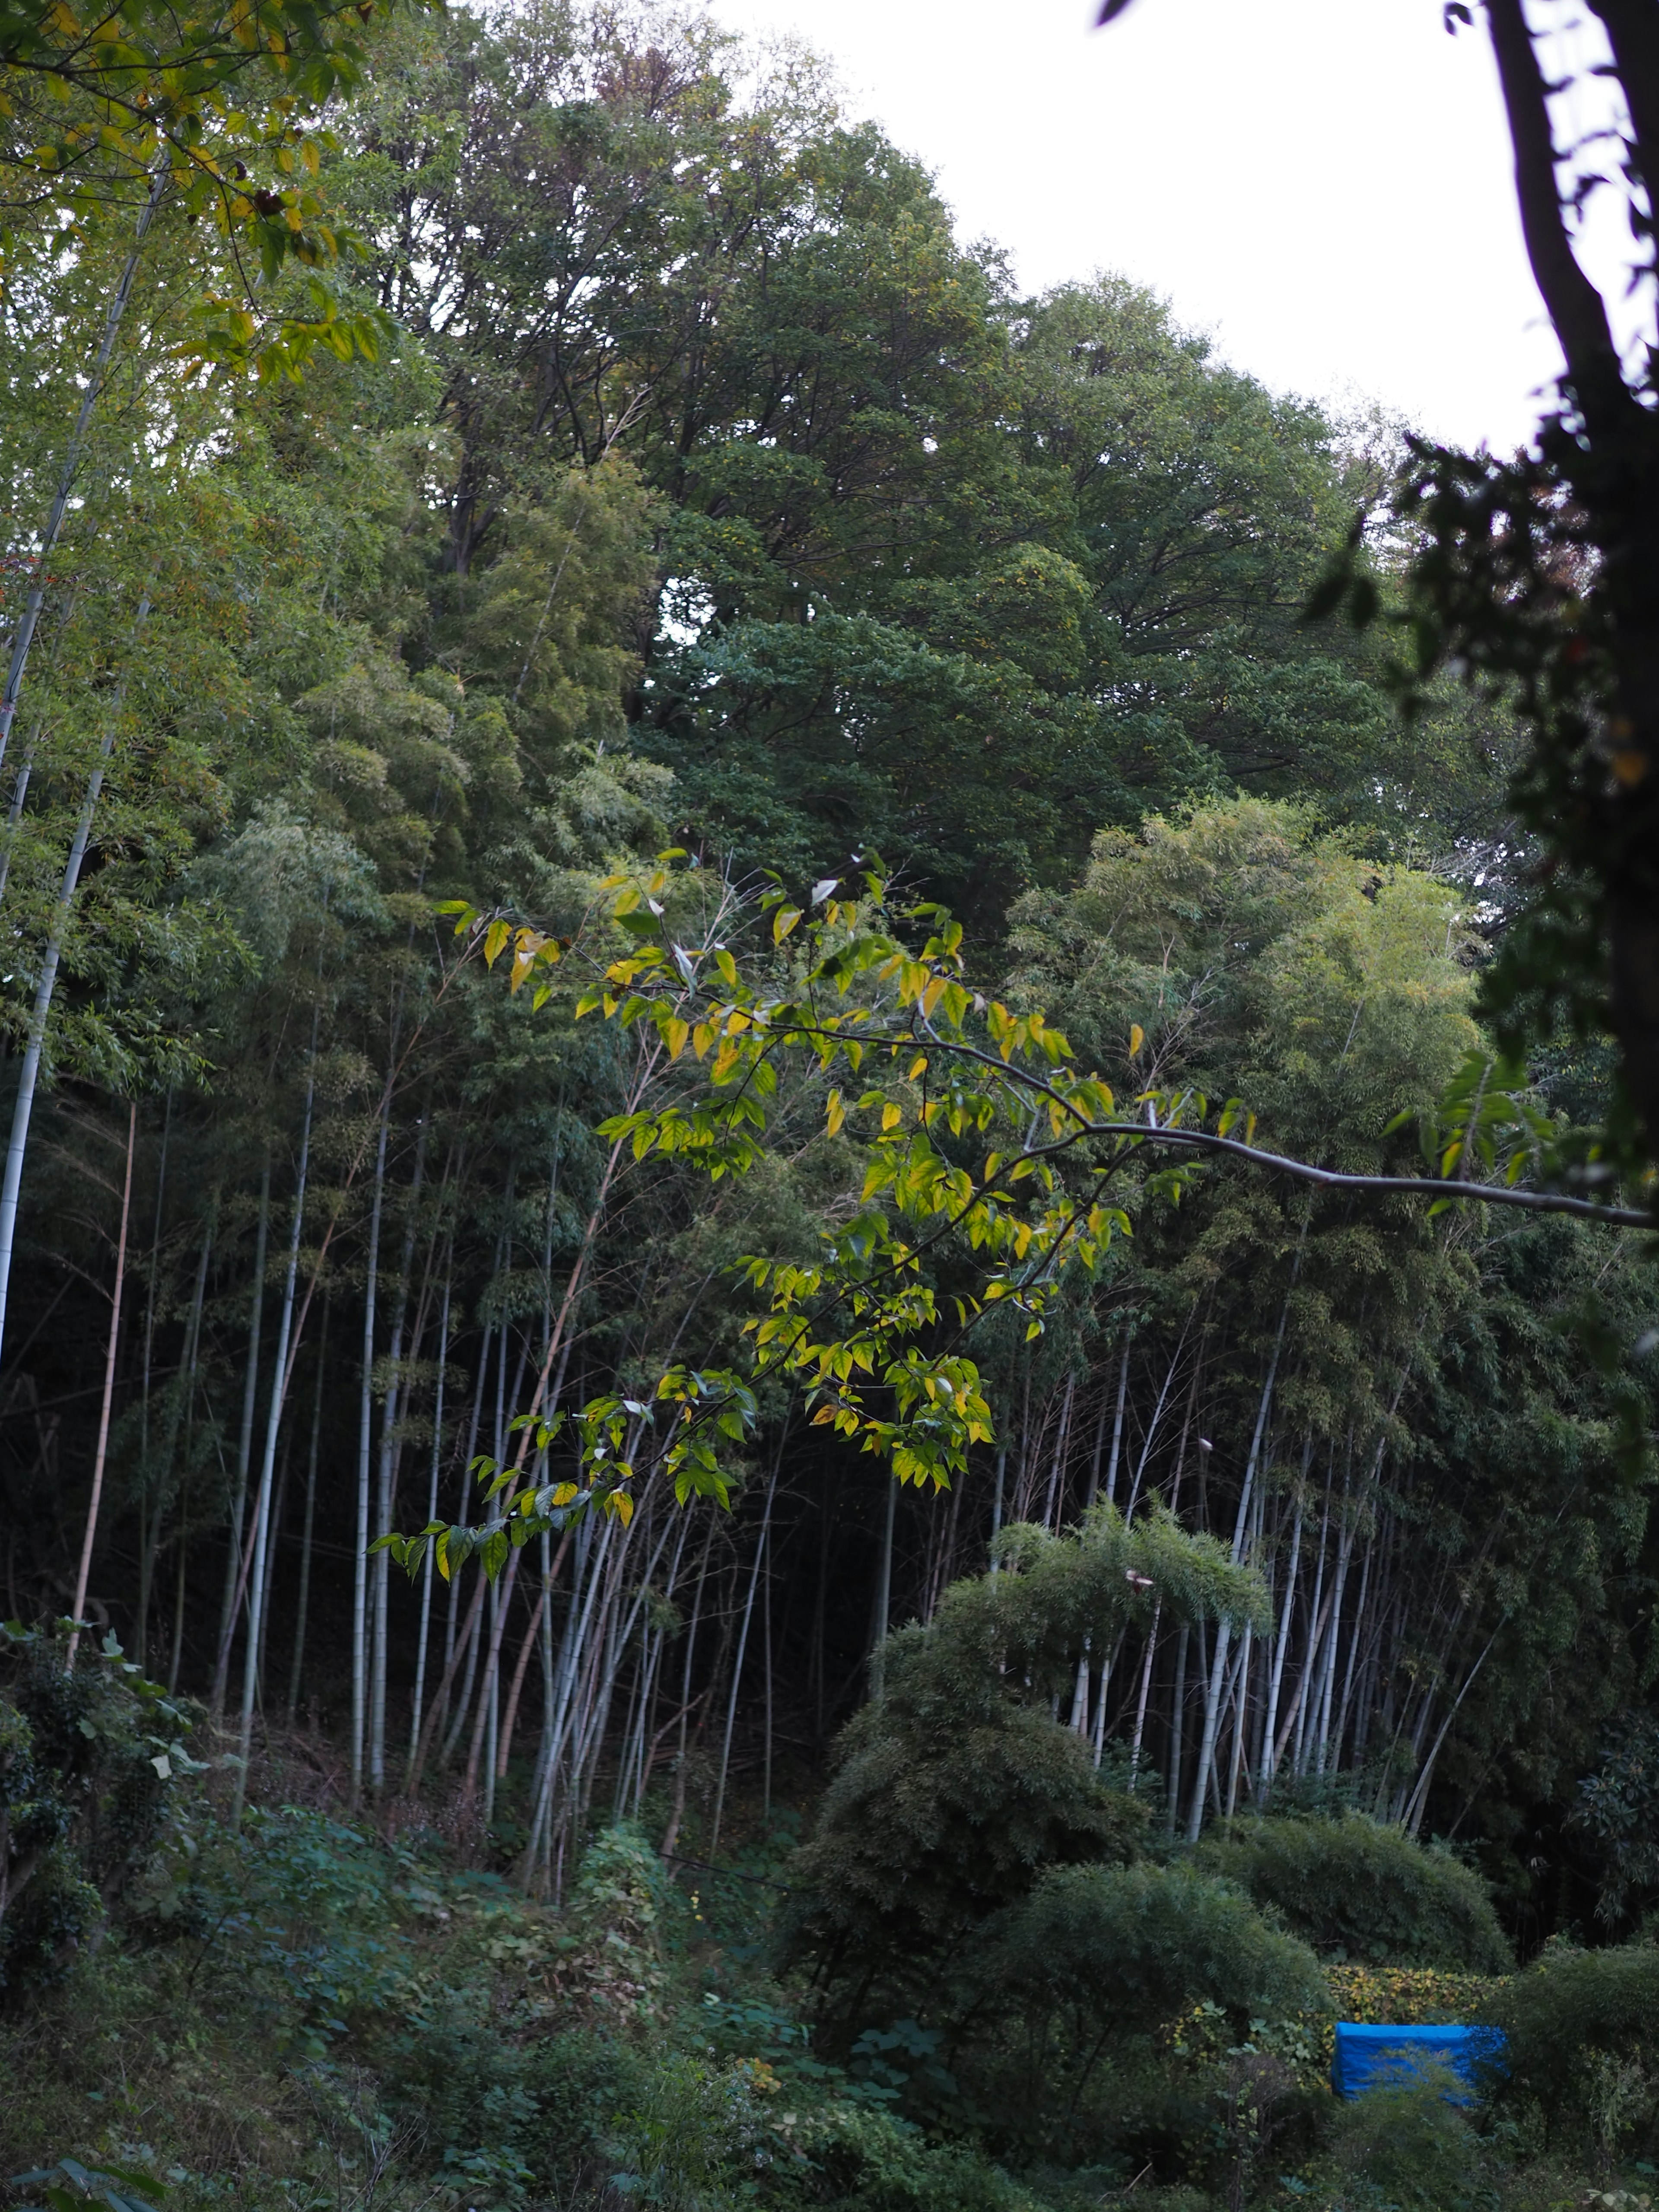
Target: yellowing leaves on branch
<point>990,1160</point>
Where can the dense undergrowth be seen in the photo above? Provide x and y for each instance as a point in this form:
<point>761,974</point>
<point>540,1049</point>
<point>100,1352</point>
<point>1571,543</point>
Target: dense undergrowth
<point>311,2012</point>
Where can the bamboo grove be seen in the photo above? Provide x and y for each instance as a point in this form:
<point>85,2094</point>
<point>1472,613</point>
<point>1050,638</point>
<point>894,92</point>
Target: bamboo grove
<point>650,473</point>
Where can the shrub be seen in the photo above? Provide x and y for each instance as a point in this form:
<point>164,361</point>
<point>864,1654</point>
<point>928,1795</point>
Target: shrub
<point>930,1826</point>
<point>864,2159</point>
<point>694,2134</point>
<point>1144,1944</point>
<point>301,1913</point>
<point>1412,1996</point>
<point>88,1761</point>
<point>579,2079</point>
<point>1582,2033</point>
<point>1099,1956</point>
<point>1619,1808</point>
<point>1354,1889</point>
<point>958,1785</point>
<point>58,1912</point>
<point>1407,2148</point>
<point>441,2054</point>
<point>618,1905</point>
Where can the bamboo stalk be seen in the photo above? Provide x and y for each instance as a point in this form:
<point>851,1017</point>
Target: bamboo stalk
<point>146,1545</point>
<point>258,1588</point>
<point>62,911</point>
<point>303,1604</point>
<point>101,1453</point>
<point>748,1616</point>
<point>360,1672</point>
<point>235,1570</point>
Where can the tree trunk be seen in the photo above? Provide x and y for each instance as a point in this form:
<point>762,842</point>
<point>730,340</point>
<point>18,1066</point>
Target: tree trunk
<point>303,1602</point>
<point>1178,1718</point>
<point>73,454</point>
<point>102,1451</point>
<point>360,1687</point>
<point>244,1451</point>
<point>58,930</point>
<point>1146,1686</point>
<point>742,1634</point>
<point>182,1396</point>
<point>258,1588</point>
<point>384,1502</point>
<point>670,1835</point>
<point>1117,1422</point>
<point>419,1708</point>
<point>882,1605</point>
<point>1277,1674</point>
<point>1612,465</point>
<point>1224,1629</point>
<point>146,1548</point>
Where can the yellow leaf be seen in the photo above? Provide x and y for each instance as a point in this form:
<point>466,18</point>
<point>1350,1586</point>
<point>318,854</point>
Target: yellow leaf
<point>623,1505</point>
<point>836,1113</point>
<point>783,921</point>
<point>1137,1038</point>
<point>890,1116</point>
<point>675,1033</point>
<point>526,943</point>
<point>918,1067</point>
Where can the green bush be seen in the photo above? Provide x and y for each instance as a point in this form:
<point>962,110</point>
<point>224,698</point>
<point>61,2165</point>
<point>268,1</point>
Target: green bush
<point>1619,1808</point>
<point>1408,2148</point>
<point>88,1764</point>
<point>931,1825</point>
<point>441,2054</point>
<point>853,2157</point>
<point>1354,1889</point>
<point>302,1913</point>
<point>57,1913</point>
<point>958,1785</point>
<point>694,2133</point>
<point>1583,2035</point>
<point>1074,1983</point>
<point>580,2079</point>
<point>1141,1945</point>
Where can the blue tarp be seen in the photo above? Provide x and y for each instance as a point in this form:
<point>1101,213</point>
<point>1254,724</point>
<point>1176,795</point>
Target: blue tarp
<point>1369,2057</point>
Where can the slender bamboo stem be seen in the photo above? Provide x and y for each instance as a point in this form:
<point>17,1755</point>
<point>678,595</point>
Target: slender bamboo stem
<point>259,1587</point>
<point>101,1455</point>
<point>303,1602</point>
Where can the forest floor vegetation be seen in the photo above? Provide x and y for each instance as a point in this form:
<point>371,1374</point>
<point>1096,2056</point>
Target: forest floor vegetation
<point>316,2014</point>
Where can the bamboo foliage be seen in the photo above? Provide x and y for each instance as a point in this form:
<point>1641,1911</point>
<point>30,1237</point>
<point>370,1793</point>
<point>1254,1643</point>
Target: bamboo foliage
<point>729,1249</point>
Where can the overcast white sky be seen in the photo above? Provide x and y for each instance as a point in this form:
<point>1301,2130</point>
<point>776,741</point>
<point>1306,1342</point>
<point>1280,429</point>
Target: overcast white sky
<point>1323,183</point>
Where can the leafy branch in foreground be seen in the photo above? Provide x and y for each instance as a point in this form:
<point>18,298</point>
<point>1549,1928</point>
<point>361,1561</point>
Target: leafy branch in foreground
<point>988,1159</point>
